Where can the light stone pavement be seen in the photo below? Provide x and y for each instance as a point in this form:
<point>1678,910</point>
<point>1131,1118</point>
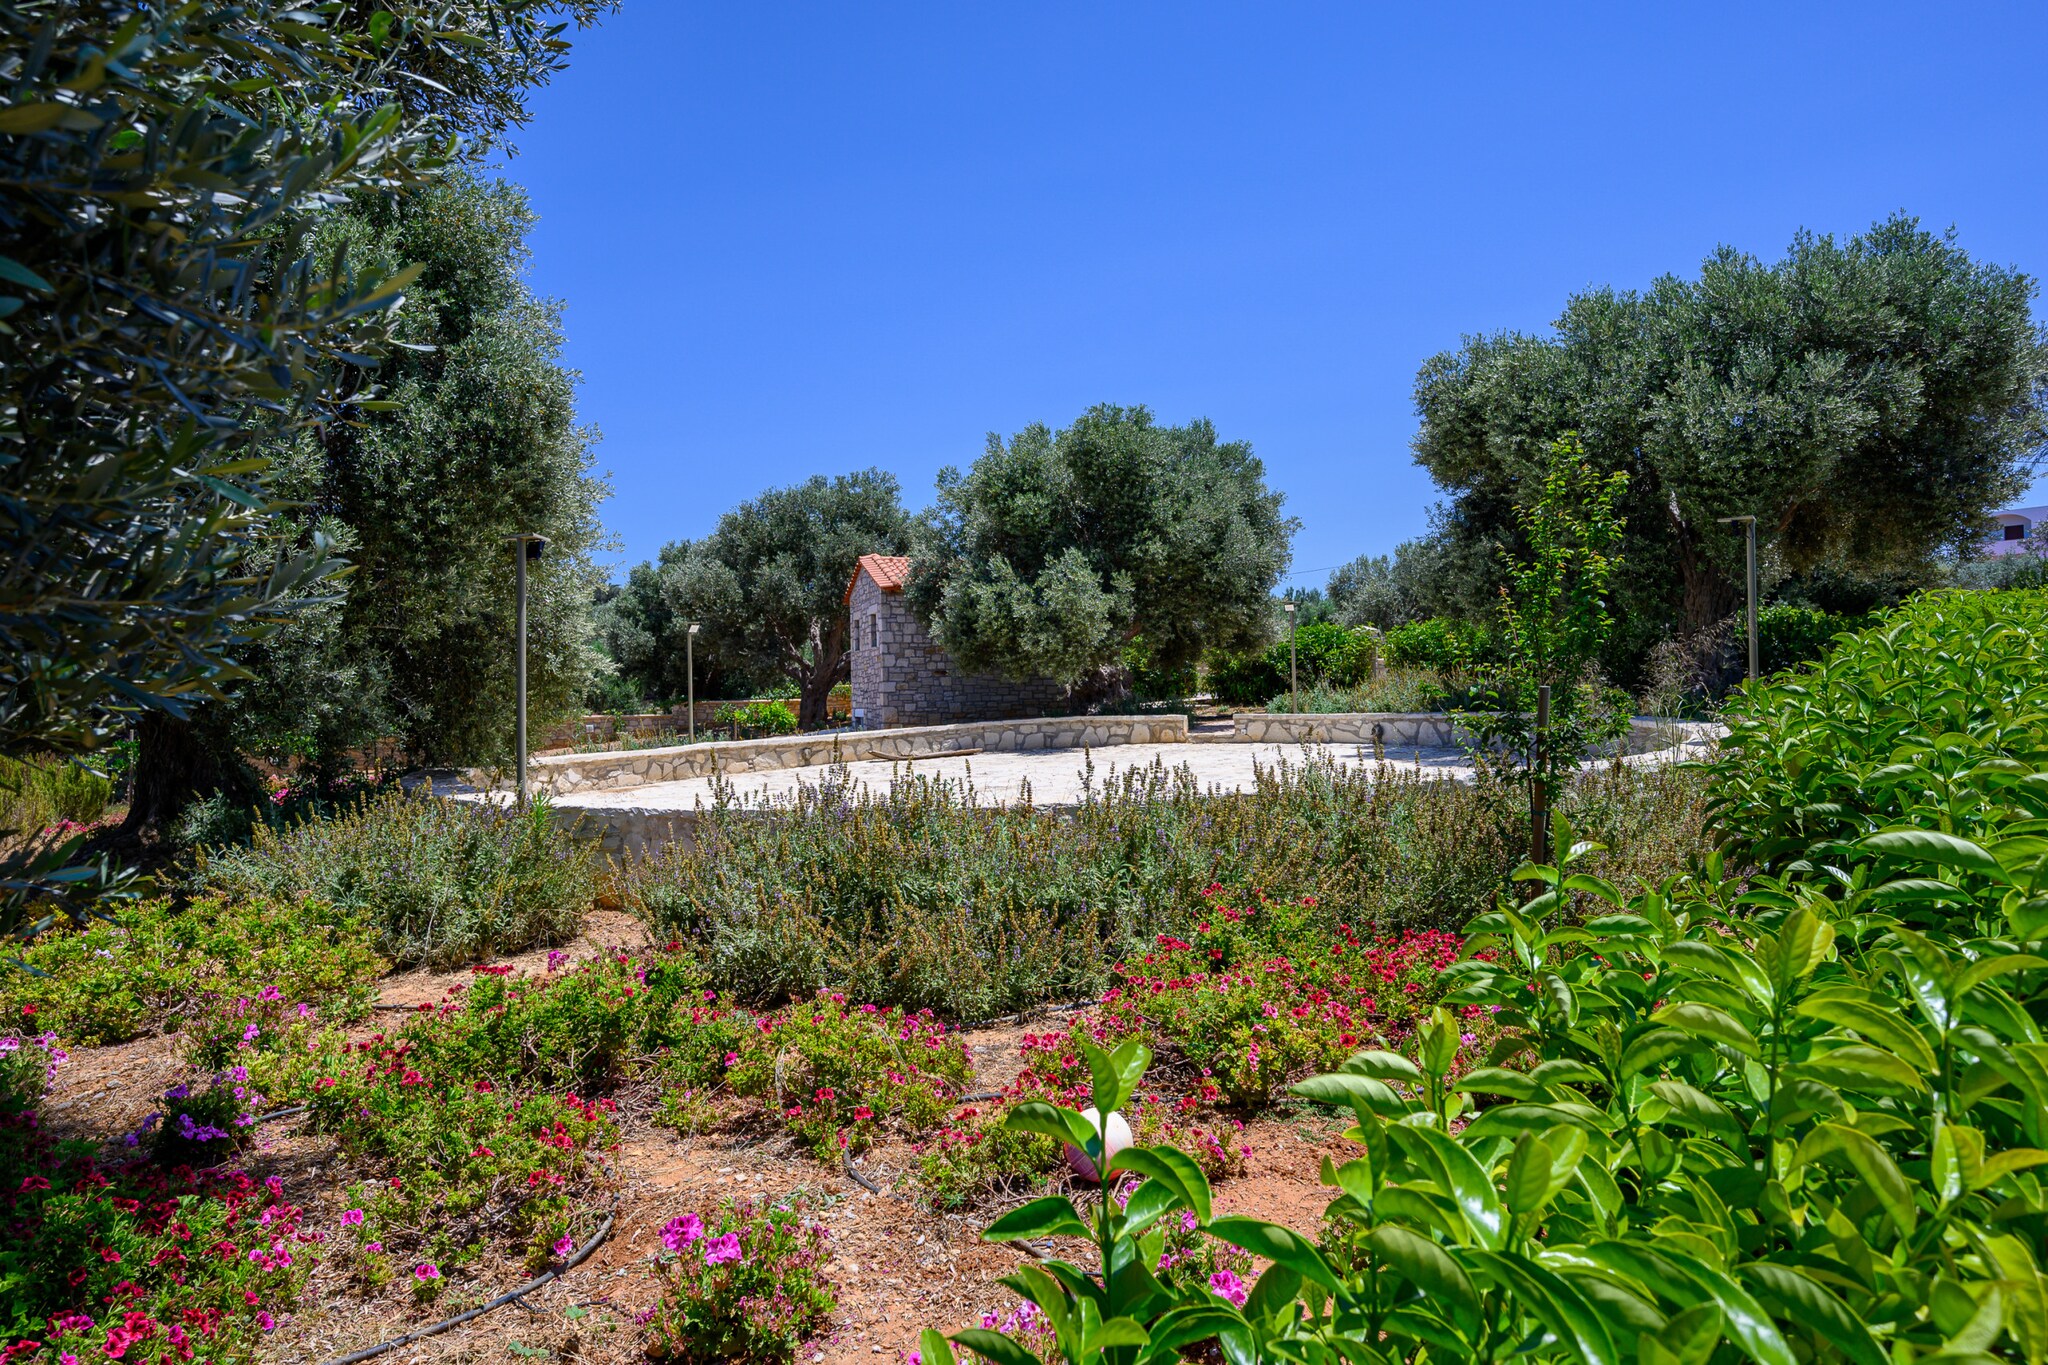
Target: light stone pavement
<point>1055,776</point>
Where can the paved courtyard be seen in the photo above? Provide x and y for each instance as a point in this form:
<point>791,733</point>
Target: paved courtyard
<point>1054,776</point>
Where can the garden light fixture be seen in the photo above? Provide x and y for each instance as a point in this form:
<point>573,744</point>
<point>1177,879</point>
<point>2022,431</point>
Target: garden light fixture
<point>690,667</point>
<point>526,545</point>
<point>1293,668</point>
<point>1749,524</point>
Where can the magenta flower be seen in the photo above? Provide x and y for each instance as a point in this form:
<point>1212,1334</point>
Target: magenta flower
<point>1225,1285</point>
<point>427,1270</point>
<point>373,1247</point>
<point>266,1322</point>
<point>682,1231</point>
<point>719,1250</point>
<point>565,1246</point>
<point>353,1218</point>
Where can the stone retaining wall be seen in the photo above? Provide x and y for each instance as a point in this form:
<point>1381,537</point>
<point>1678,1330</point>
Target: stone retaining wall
<point>1433,730</point>
<point>562,774</point>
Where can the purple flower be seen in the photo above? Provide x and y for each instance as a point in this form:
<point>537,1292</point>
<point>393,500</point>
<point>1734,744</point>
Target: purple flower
<point>682,1231</point>
<point>1225,1285</point>
<point>353,1218</point>
<point>565,1246</point>
<point>426,1270</point>
<point>719,1250</point>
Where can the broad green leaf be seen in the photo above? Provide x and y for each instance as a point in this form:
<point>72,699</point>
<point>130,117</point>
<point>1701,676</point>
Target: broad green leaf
<point>1116,1074</point>
<point>1870,1161</point>
<point>1051,1216</point>
<point>1036,1116</point>
<point>1383,1066</point>
<point>1461,1177</point>
<point>1704,1021</point>
<point>1807,1303</point>
<point>1279,1245</point>
<point>1547,1297</point>
<point>934,1349</point>
<point>1180,1328</point>
<point>1932,846</point>
<point>1429,1268</point>
<point>1880,1025</point>
<point>1172,1166</point>
<point>1687,1281</point>
<point>1654,1048</point>
<point>1337,1088</point>
<point>994,1345</point>
<point>1703,1113</point>
<point>1856,1067</point>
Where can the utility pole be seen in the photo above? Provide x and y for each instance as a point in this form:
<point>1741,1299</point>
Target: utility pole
<point>1293,668</point>
<point>525,546</point>
<point>1749,584</point>
<point>690,665</point>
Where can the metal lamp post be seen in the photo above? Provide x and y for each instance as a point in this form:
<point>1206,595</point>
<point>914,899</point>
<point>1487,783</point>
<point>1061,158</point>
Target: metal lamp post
<point>1293,668</point>
<point>525,546</point>
<point>1749,585</point>
<point>690,666</point>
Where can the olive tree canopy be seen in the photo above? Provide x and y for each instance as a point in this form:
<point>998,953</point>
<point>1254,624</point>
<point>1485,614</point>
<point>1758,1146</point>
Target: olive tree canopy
<point>1059,548</point>
<point>1868,400</point>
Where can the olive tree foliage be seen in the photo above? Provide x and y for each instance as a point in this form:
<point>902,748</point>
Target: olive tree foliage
<point>168,314</point>
<point>643,640</point>
<point>769,583</point>
<point>480,442</point>
<point>1385,591</point>
<point>1057,548</point>
<point>1867,399</point>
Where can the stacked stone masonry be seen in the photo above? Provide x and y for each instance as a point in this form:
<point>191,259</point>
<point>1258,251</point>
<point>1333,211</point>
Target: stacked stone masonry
<point>901,677</point>
<point>563,774</point>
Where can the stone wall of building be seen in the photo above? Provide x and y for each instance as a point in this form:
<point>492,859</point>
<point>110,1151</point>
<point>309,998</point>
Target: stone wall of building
<point>902,677</point>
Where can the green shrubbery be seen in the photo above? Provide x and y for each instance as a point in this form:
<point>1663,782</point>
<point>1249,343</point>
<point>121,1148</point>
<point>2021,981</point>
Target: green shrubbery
<point>1932,718</point>
<point>1324,653</point>
<point>439,882</point>
<point>919,898</point>
<point>755,719</point>
<point>35,796</point>
<point>158,966</point>
<point>1725,1117</point>
<point>748,1284</point>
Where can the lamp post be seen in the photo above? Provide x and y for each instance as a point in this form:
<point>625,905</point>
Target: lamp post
<point>690,666</point>
<point>1293,668</point>
<point>1749,585</point>
<point>526,545</point>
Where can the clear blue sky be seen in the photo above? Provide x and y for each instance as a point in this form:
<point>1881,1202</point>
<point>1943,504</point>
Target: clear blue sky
<point>798,239</point>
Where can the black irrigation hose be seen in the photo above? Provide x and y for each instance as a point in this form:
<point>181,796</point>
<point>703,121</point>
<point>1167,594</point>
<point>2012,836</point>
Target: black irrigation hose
<point>859,1179</point>
<point>281,1113</point>
<point>436,1329</point>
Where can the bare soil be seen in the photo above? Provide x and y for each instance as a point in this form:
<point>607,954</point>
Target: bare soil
<point>897,1265</point>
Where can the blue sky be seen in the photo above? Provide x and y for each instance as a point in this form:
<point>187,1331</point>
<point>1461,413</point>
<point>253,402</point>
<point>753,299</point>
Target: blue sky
<point>798,239</point>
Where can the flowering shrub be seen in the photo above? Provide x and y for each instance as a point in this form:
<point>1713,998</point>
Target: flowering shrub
<point>835,1073</point>
<point>202,1127</point>
<point>27,1066</point>
<point>1257,998</point>
<point>577,1027</point>
<point>749,1284</point>
<point>458,1150</point>
<point>439,882</point>
<point>157,966</point>
<point>100,1260</point>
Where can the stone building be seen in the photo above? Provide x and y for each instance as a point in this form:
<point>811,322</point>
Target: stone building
<point>901,677</point>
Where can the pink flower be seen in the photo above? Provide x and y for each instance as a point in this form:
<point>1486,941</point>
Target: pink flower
<point>426,1270</point>
<point>719,1250</point>
<point>353,1218</point>
<point>565,1246</point>
<point>682,1231</point>
<point>373,1247</point>
<point>732,1059</point>
<point>1225,1285</point>
<point>266,1322</point>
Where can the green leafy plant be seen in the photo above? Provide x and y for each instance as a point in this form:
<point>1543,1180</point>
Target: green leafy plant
<point>159,965</point>
<point>756,719</point>
<point>1932,718</point>
<point>442,882</point>
<point>1553,621</point>
<point>749,1284</point>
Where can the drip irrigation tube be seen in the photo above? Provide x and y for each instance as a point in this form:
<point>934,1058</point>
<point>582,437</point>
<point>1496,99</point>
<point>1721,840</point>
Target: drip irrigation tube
<point>436,1329</point>
<point>859,1179</point>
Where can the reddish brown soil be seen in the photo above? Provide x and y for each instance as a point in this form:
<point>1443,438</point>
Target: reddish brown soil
<point>897,1266</point>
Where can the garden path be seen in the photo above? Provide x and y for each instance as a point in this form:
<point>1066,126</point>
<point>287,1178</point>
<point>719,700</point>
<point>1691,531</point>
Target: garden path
<point>1054,777</point>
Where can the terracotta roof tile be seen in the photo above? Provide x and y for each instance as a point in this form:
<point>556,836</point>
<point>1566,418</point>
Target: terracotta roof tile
<point>890,572</point>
